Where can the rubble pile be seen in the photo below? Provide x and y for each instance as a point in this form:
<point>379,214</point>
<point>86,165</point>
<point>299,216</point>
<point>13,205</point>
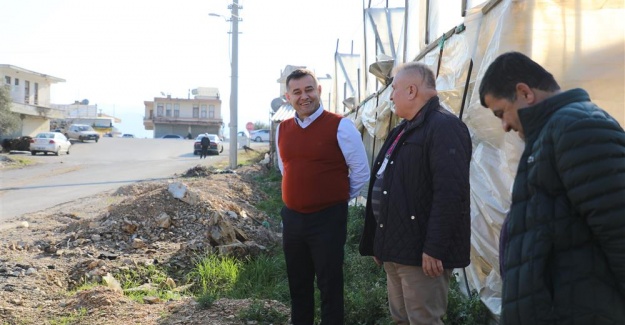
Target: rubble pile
<point>167,223</point>
<point>187,218</point>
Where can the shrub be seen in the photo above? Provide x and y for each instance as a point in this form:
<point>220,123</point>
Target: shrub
<point>463,310</point>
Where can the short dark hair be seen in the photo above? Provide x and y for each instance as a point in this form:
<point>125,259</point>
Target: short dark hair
<point>508,70</point>
<point>298,74</point>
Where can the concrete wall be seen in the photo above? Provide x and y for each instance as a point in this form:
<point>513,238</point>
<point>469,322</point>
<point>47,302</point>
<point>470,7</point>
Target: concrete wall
<point>32,125</point>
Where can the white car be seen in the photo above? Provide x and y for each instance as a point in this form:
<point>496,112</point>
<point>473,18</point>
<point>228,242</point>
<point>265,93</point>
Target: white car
<point>260,135</point>
<point>54,142</point>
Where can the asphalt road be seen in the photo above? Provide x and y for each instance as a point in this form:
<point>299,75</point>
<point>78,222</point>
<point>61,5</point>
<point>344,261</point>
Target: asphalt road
<point>92,168</point>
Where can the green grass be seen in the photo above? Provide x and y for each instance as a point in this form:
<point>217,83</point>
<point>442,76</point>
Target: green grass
<point>264,277</point>
<point>463,310</point>
<point>243,159</point>
<point>215,275</point>
<point>71,318</point>
<point>16,161</point>
<point>262,314</point>
<point>271,185</point>
<point>134,277</point>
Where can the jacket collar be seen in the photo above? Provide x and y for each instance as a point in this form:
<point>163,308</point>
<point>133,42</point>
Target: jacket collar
<point>533,118</point>
<point>430,106</point>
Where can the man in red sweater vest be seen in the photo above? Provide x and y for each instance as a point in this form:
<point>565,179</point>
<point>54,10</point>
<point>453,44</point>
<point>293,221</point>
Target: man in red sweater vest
<point>323,164</point>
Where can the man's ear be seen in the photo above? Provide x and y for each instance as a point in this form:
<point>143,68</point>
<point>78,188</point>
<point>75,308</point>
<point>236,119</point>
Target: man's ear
<point>524,91</point>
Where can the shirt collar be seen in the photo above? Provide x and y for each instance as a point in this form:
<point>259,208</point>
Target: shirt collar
<point>312,116</point>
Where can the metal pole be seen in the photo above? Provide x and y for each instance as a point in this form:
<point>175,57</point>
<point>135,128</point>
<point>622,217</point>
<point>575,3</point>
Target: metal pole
<point>234,85</point>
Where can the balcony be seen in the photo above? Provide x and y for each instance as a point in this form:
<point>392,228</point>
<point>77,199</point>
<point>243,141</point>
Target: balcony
<point>46,112</point>
<point>150,122</point>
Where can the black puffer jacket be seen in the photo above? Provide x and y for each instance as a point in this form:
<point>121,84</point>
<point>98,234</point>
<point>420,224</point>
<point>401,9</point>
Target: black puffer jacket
<point>425,200</point>
<point>564,259</point>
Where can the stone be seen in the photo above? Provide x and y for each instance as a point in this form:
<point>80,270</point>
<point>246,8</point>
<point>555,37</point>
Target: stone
<point>138,243</point>
<point>163,220</point>
<point>151,300</point>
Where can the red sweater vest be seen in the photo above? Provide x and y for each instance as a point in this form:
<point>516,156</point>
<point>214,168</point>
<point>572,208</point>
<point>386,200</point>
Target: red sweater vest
<point>315,174</point>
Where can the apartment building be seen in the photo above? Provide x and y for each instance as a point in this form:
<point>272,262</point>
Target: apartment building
<point>30,96</point>
<point>200,114</point>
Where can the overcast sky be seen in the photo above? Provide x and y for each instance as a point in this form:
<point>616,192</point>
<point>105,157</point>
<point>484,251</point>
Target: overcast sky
<point>120,53</point>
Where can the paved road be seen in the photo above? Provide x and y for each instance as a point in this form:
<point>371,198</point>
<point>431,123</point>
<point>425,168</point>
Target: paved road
<point>92,168</point>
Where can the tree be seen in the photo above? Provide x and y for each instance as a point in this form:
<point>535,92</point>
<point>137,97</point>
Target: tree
<point>258,125</point>
<point>9,121</point>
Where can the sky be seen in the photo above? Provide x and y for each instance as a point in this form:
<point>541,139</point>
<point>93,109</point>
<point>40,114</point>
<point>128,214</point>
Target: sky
<point>120,53</point>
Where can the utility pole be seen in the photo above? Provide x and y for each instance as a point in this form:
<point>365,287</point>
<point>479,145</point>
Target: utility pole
<point>234,86</point>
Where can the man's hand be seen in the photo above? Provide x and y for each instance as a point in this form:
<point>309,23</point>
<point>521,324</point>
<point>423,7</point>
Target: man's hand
<point>431,267</point>
<point>377,261</point>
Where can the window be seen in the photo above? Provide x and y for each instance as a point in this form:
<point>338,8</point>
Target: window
<point>203,111</point>
<point>17,82</point>
<point>27,92</point>
<point>168,110</point>
<point>36,93</point>
<point>7,80</point>
<point>176,110</point>
<point>159,109</point>
<point>211,111</point>
<point>196,111</point>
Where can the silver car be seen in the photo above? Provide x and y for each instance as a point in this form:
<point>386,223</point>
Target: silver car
<point>54,142</point>
<point>259,135</point>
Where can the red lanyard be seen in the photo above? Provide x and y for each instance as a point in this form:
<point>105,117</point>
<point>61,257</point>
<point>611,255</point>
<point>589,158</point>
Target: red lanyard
<point>390,150</point>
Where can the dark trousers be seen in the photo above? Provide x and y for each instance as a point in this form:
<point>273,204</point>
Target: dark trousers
<point>313,246</point>
<point>204,152</point>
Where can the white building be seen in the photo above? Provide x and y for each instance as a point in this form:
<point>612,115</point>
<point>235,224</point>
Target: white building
<point>30,95</point>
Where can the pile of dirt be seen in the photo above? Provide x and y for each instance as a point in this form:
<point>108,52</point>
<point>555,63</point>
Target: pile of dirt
<point>166,223</point>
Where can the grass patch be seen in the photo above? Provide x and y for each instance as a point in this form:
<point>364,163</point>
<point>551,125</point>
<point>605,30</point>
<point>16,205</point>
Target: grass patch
<point>262,277</point>
<point>261,313</point>
<point>270,183</point>
<point>206,300</point>
<point>215,275</point>
<point>243,159</point>
<point>84,286</point>
<point>72,318</point>
<point>145,281</point>
<point>14,161</point>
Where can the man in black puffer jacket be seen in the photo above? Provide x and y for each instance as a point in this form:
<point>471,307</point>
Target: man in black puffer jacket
<point>563,242</point>
<point>417,220</point>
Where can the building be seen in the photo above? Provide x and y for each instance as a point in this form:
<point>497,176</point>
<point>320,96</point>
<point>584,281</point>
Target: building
<point>80,112</point>
<point>200,114</point>
<point>30,95</point>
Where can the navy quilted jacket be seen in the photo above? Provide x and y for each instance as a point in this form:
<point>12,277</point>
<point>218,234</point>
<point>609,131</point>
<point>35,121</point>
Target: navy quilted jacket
<point>564,257</point>
<point>425,202</point>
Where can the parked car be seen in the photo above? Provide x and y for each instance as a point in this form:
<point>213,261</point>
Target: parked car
<point>53,142</point>
<point>259,135</point>
<point>82,132</point>
<point>215,147</point>
<point>172,136</point>
<point>128,135</point>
